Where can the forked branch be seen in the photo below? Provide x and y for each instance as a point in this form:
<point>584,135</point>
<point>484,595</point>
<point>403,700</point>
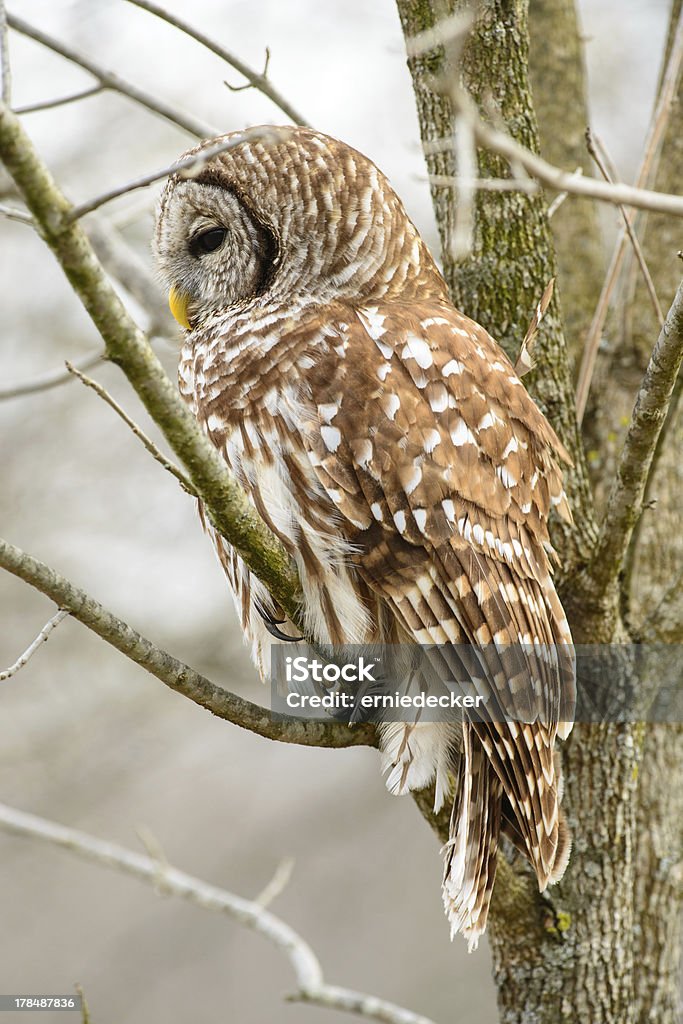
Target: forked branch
<point>44,634</point>
<point>110,80</point>
<point>311,985</point>
<point>259,81</point>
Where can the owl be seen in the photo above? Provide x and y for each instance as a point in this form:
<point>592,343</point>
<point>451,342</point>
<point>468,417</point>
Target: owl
<point>387,441</point>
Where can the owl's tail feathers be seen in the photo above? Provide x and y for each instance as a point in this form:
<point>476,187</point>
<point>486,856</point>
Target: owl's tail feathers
<point>415,754</point>
<point>483,808</point>
<point>470,864</point>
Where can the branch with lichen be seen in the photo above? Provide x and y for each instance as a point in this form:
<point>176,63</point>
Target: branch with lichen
<point>169,670</point>
<point>625,503</point>
<point>155,870</point>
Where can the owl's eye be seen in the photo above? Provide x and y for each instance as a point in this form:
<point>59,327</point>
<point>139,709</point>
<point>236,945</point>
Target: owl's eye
<point>208,241</point>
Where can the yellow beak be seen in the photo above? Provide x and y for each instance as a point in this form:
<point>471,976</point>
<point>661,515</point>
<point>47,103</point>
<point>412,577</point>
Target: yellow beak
<point>178,301</point>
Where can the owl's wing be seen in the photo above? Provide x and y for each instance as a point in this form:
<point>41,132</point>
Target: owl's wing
<point>443,472</point>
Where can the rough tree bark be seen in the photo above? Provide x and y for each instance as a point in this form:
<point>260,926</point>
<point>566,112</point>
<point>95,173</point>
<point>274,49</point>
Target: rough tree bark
<point>656,573</point>
<point>558,85</point>
<point>577,954</point>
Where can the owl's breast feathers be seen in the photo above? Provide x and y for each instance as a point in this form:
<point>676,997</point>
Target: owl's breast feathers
<point>397,455</point>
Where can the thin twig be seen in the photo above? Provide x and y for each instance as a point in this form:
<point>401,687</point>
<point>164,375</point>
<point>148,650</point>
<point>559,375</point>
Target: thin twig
<point>454,27</point>
<point>61,101</point>
<point>5,66</point>
<point>48,380</point>
<point>85,1011</point>
<point>619,194</point>
<point>258,81</point>
<point>124,264</point>
<point>465,149</point>
<point>624,504</point>
<point>596,149</point>
<point>277,884</point>
<point>651,149</point>
<point>33,647</point>
<point>110,80</point>
<point>559,199</point>
<point>157,854</point>
<point>187,167</point>
<point>556,204</point>
<point>312,987</point>
<point>170,467</point>
<point>13,214</point>
<point>452,34</point>
<point>250,85</point>
<point>483,184</point>
<point>173,673</point>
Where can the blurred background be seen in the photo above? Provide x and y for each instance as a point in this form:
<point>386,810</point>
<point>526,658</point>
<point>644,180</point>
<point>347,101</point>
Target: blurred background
<point>86,737</point>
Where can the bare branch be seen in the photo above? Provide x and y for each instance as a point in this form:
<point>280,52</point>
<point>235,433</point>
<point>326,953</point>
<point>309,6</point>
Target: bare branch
<point>597,151</point>
<point>85,1011</point>
<point>452,33</point>
<point>33,647</point>
<point>312,987</point>
<point>462,235</point>
<point>277,884</point>
<point>13,214</point>
<point>652,146</point>
<point>624,505</point>
<point>129,270</point>
<point>485,184</point>
<point>48,380</point>
<point>61,101</point>
<point>554,177</point>
<point>453,28</point>
<point>556,204</point>
<point>173,673</point>
<point>5,67</point>
<point>124,264</point>
<point>139,433</point>
<point>187,167</point>
<point>258,81</point>
<point>592,343</point>
<point>250,85</point>
<point>110,80</point>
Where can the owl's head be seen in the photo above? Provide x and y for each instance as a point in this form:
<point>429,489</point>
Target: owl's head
<point>289,215</point>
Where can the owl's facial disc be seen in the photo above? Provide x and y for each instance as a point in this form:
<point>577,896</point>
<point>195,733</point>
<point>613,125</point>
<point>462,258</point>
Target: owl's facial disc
<point>212,251</point>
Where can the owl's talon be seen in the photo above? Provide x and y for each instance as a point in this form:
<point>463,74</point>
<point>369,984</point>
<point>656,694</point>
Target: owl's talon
<point>279,635</point>
<point>271,624</point>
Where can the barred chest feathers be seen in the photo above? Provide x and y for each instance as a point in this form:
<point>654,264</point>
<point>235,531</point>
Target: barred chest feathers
<point>256,425</point>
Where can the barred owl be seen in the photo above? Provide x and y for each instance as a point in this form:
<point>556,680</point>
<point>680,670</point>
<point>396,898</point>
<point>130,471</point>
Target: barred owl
<point>386,439</point>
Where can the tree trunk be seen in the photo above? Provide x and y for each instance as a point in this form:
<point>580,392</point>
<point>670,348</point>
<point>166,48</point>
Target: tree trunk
<point>585,950</point>
<point>558,81</point>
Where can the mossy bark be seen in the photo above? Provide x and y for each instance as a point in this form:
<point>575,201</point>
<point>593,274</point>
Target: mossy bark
<point>655,573</point>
